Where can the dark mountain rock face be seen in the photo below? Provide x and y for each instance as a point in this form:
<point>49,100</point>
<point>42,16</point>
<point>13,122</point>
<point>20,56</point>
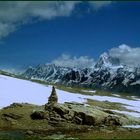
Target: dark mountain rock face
<point>107,74</point>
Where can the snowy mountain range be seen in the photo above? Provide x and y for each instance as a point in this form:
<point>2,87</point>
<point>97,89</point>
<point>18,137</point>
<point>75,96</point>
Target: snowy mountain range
<point>107,74</point>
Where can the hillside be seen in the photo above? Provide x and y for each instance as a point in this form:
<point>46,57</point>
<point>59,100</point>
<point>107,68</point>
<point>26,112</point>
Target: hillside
<point>24,91</point>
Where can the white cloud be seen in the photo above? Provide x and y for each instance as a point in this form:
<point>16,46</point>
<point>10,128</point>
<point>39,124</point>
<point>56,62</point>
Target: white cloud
<point>68,61</point>
<point>15,13</point>
<point>99,4</point>
<point>6,28</point>
<point>127,55</point>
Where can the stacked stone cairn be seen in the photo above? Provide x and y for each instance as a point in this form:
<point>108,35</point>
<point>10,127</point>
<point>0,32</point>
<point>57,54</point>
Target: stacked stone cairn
<point>75,113</point>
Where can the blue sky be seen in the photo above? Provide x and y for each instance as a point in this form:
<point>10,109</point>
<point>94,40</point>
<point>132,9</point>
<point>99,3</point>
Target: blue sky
<point>86,30</point>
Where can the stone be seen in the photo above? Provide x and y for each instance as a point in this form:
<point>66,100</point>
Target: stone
<point>7,118</point>
<point>53,97</point>
<point>29,132</point>
<point>12,116</point>
<point>89,119</point>
<point>109,111</point>
<point>38,115</point>
<point>56,119</point>
<point>78,120</point>
<point>52,100</point>
<point>78,113</point>
<point>111,120</point>
<point>69,116</point>
<point>13,122</point>
<point>53,122</point>
<point>61,110</point>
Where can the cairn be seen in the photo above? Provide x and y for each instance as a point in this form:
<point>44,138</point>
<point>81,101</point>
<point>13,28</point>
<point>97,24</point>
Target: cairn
<point>49,107</point>
<point>52,100</point>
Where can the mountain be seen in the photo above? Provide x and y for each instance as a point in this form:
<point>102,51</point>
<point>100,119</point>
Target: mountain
<point>107,74</point>
<point>106,61</point>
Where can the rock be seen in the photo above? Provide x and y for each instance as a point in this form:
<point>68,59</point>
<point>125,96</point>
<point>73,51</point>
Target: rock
<point>53,122</point>
<point>61,110</point>
<point>112,121</point>
<point>76,113</point>
<point>54,114</point>
<point>56,119</point>
<point>12,116</point>
<point>29,132</point>
<point>79,117</point>
<point>69,116</point>
<point>38,115</point>
<point>13,122</point>
<point>89,119</point>
<point>109,111</point>
<point>52,100</point>
<point>7,118</point>
<point>78,120</point>
<point>84,118</point>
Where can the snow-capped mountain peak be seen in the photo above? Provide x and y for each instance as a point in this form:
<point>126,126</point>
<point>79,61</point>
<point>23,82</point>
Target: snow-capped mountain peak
<point>107,73</point>
<point>104,61</point>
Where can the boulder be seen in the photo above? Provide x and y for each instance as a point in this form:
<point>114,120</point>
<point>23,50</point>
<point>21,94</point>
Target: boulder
<point>56,119</point>
<point>61,110</point>
<point>85,118</point>
<point>112,120</point>
<point>29,132</point>
<point>79,117</point>
<point>89,119</point>
<point>38,115</point>
<point>69,116</point>
<point>78,120</point>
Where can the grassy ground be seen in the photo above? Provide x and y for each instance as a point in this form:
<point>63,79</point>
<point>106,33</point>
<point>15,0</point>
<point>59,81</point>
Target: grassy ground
<point>15,129</point>
<point>119,133</point>
<point>107,105</point>
<point>110,134</point>
<point>25,122</point>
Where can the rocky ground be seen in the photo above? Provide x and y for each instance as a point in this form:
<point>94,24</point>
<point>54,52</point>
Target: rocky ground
<point>68,120</point>
<point>65,120</point>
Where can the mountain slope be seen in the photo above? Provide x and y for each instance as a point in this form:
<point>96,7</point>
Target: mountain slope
<point>107,74</point>
<point>23,91</point>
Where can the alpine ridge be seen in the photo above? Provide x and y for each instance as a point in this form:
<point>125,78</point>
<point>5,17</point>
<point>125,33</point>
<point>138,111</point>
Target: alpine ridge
<point>107,74</point>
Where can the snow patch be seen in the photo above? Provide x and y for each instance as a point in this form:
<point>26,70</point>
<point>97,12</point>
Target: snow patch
<point>21,91</point>
<point>133,114</point>
<point>129,104</point>
<point>117,95</point>
<point>135,83</point>
<point>93,91</point>
<point>131,126</point>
